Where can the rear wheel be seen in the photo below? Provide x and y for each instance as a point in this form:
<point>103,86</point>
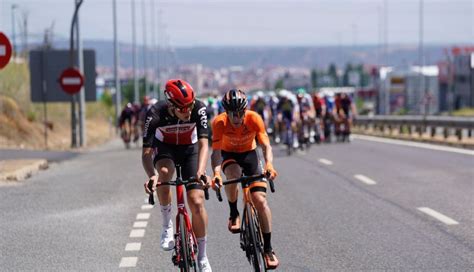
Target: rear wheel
<point>255,240</point>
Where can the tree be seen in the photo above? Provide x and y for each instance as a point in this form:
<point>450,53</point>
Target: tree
<point>332,72</point>
<point>314,78</point>
<point>347,71</point>
<point>128,92</point>
<point>279,84</point>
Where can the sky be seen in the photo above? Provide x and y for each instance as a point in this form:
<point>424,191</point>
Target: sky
<point>188,23</point>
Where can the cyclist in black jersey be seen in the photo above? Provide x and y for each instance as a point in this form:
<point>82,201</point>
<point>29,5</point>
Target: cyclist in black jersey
<point>175,132</point>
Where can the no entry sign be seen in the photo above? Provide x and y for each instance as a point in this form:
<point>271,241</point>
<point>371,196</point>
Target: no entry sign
<point>71,81</point>
<point>5,50</point>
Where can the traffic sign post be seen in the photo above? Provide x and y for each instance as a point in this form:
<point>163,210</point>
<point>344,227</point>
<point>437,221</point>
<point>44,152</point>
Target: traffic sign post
<point>5,50</point>
<point>71,81</point>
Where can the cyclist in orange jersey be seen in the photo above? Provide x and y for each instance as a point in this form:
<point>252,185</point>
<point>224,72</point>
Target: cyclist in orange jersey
<point>234,151</point>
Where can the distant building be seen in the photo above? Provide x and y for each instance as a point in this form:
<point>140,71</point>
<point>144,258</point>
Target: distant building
<point>413,90</point>
<point>463,80</point>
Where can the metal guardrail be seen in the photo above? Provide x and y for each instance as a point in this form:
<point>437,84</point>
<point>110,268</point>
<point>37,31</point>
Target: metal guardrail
<point>420,124</point>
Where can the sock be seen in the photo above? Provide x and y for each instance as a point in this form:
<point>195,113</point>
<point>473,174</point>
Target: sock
<point>202,255</point>
<point>267,244</point>
<point>234,212</point>
<point>166,215</point>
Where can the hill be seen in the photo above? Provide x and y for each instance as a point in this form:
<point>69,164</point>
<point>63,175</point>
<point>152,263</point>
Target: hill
<point>310,57</point>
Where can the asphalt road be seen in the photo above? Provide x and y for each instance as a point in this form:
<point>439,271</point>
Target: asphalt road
<point>341,207</point>
<point>50,156</point>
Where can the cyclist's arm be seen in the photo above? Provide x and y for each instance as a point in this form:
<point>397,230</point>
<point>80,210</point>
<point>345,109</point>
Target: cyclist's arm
<point>263,140</point>
<point>216,156</point>
<point>216,160</point>
<point>203,135</point>
<point>147,161</point>
<point>150,126</point>
<point>203,151</point>
<point>353,109</point>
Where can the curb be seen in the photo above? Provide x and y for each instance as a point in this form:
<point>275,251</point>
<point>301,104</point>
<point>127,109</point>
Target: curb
<point>468,146</point>
<point>18,170</point>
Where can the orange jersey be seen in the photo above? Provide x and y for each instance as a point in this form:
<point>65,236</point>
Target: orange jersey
<point>238,140</point>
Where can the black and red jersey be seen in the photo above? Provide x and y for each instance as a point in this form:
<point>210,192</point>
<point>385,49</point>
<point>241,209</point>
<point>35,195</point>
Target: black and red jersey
<point>161,126</point>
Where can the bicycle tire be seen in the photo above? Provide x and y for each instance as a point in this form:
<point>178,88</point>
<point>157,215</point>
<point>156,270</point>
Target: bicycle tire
<point>255,239</point>
<point>184,265</point>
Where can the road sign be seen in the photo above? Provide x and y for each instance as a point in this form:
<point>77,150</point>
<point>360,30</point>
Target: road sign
<point>5,50</point>
<point>71,81</point>
<point>45,68</point>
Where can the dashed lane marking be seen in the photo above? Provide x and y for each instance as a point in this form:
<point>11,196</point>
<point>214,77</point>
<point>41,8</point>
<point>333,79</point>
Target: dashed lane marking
<point>143,216</point>
<point>128,262</point>
<point>133,246</point>
<point>441,217</point>
<point>325,161</point>
<point>140,224</point>
<point>137,233</point>
<point>147,207</point>
<point>365,179</point>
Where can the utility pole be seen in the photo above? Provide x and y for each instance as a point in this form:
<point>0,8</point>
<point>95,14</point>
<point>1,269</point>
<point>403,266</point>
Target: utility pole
<point>385,57</point>
<point>82,95</point>
<point>423,90</point>
<point>72,64</point>
<point>118,94</point>
<point>145,49</point>
<point>153,49</point>
<point>14,7</point>
<point>134,49</point>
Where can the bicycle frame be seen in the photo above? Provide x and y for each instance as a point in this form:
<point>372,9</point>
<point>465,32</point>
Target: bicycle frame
<point>185,253</point>
<point>251,240</point>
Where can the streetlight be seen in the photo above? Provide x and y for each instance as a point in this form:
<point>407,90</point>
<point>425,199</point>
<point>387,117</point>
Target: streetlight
<point>13,7</point>
<point>134,49</point>
<point>118,94</point>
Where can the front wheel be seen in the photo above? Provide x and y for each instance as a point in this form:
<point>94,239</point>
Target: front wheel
<point>185,264</point>
<point>255,240</point>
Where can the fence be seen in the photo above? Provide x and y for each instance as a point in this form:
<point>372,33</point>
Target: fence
<point>435,126</point>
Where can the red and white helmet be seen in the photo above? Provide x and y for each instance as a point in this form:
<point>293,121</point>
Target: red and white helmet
<point>179,93</point>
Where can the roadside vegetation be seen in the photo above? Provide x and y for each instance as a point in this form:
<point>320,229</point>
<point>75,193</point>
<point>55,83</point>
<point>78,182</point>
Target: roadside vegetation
<point>23,123</point>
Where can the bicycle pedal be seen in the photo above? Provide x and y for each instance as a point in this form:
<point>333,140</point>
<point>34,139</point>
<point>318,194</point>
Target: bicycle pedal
<point>174,259</point>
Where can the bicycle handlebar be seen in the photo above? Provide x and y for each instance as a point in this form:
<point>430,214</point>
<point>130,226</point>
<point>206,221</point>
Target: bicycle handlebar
<point>247,179</point>
<point>151,198</point>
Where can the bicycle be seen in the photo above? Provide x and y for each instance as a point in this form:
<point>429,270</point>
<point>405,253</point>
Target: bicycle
<point>185,250</point>
<point>251,240</point>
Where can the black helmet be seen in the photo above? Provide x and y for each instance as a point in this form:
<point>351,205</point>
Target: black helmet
<point>234,100</point>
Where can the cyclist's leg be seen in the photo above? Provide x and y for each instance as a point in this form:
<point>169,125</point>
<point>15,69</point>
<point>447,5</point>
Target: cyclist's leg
<point>195,198</point>
<point>164,163</point>
<point>195,194</point>
<point>232,170</point>
<point>258,192</point>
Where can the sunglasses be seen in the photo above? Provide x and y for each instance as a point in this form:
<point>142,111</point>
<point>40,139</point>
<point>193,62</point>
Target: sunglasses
<point>236,114</point>
<point>184,109</point>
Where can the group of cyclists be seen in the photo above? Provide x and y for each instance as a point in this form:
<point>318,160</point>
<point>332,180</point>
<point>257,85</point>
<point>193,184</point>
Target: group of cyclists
<point>299,118</point>
<point>176,132</point>
<point>132,120</point>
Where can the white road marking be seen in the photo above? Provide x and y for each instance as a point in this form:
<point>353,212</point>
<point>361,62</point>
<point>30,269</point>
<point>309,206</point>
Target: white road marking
<point>147,207</point>
<point>414,144</point>
<point>441,217</point>
<point>140,224</point>
<point>133,246</point>
<point>365,179</point>
<point>143,216</point>
<point>71,81</point>
<point>128,262</point>
<point>326,162</point>
<point>137,233</point>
